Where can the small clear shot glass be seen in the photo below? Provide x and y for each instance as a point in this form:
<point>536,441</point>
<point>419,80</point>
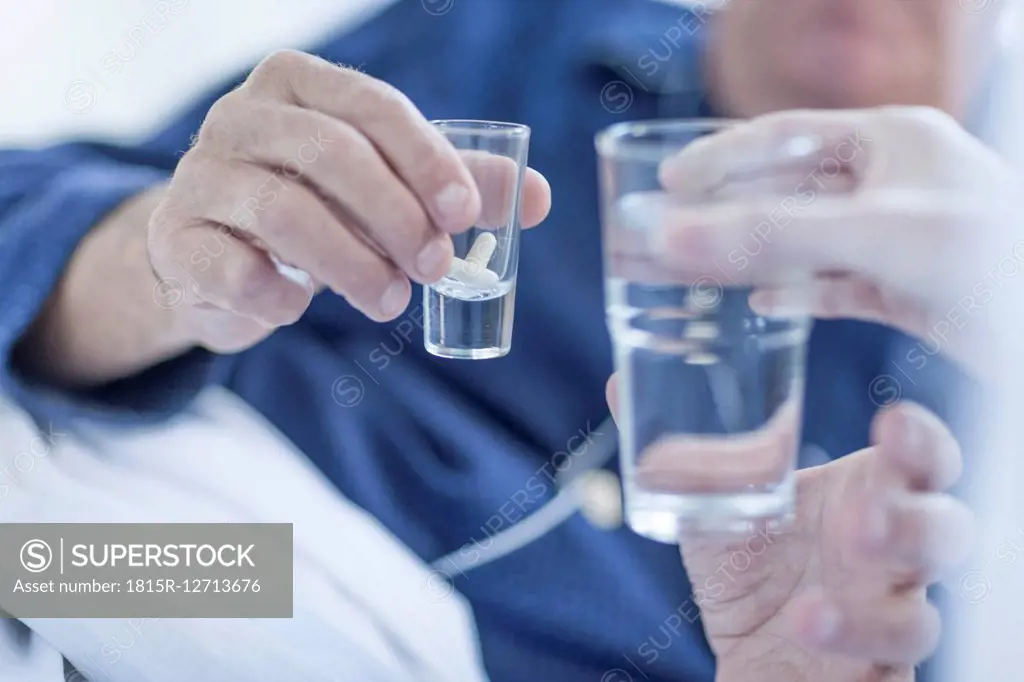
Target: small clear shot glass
<point>469,312</point>
<point>710,393</point>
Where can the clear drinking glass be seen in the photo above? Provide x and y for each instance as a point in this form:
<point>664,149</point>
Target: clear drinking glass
<point>469,312</point>
<point>709,392</point>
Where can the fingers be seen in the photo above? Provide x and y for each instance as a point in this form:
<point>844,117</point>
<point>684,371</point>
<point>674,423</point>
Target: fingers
<point>417,152</point>
<point>536,199</point>
<point>192,240</point>
<point>216,267</point>
<point>337,154</point>
<point>894,630</point>
<point>497,178</point>
<point>889,237</point>
<point>914,537</point>
<point>335,175</point>
<point>341,165</point>
<point>843,296</point>
<point>787,147</point>
<point>901,521</point>
<point>916,448</point>
<point>292,222</point>
<point>711,463</point>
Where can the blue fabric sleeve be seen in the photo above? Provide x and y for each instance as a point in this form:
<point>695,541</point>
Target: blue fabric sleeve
<point>49,199</point>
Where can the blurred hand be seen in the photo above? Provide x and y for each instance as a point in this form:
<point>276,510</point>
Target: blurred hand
<point>329,171</point>
<point>840,595</point>
<point>896,214</point>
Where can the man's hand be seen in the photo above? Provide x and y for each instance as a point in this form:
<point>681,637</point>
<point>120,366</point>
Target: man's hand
<point>839,596</point>
<point>308,165</point>
<point>893,215</point>
<point>330,171</point>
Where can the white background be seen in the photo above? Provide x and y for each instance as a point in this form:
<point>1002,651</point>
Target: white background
<point>57,78</point>
<point>56,82</point>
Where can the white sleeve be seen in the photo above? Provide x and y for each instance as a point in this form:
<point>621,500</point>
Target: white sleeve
<point>365,607</point>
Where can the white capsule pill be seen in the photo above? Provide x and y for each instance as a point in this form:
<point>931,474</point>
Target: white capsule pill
<point>482,249</point>
<point>473,274</point>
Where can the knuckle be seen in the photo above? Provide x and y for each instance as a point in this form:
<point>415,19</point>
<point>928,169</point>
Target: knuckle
<point>220,121</point>
<point>192,168</point>
<point>279,66</point>
<point>190,191</point>
<point>222,110</point>
<point>352,86</point>
<point>388,97</point>
<point>383,101</point>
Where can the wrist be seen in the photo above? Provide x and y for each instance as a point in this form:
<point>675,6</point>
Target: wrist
<point>104,319</point>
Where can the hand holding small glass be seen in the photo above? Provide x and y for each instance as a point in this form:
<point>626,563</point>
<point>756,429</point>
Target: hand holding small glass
<point>469,312</point>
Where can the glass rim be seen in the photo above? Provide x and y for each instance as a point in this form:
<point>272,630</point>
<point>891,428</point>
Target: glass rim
<point>620,139</point>
<point>482,127</point>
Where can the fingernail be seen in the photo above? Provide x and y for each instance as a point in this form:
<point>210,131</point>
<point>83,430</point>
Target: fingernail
<point>453,202</point>
<point>433,259</point>
<point>394,299</point>
<point>827,624</point>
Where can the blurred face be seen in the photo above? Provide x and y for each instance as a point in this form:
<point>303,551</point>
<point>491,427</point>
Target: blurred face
<point>786,54</point>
